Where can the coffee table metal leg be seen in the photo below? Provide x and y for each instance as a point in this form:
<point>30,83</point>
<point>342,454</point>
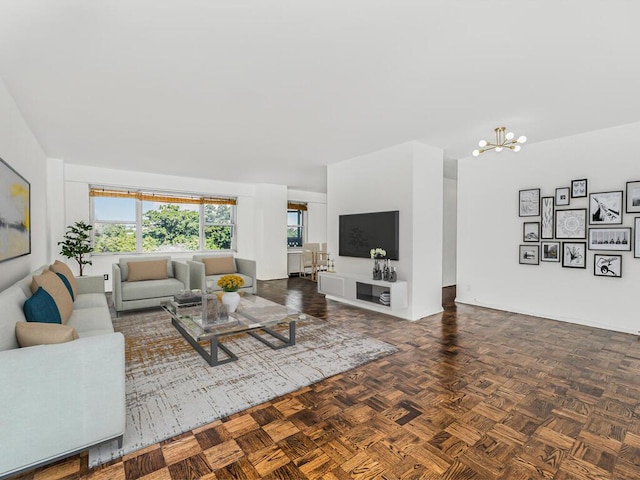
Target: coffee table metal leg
<point>286,342</point>
<point>215,345</point>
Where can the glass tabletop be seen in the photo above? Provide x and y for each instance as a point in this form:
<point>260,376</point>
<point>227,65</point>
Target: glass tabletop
<point>252,312</point>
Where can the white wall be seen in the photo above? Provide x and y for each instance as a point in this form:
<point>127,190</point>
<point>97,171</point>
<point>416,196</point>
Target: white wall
<point>449,231</point>
<point>271,231</point>
<point>407,178</point>
<point>490,231</point>
<point>21,150</point>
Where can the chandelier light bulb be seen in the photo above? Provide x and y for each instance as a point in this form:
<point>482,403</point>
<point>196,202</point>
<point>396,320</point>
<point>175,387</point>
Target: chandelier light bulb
<point>476,153</point>
<point>522,139</point>
<point>498,149</point>
<point>482,143</point>
<point>510,136</point>
<point>517,148</point>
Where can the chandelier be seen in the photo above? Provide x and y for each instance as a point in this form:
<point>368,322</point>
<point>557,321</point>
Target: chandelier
<point>503,140</point>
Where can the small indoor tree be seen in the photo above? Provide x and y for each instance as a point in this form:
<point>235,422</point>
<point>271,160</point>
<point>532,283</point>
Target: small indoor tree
<point>77,244</point>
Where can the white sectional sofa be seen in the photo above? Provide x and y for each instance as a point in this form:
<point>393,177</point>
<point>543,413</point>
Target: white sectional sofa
<point>60,399</point>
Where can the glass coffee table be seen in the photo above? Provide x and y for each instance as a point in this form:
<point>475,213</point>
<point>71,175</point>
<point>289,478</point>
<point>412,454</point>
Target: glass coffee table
<point>254,314</point>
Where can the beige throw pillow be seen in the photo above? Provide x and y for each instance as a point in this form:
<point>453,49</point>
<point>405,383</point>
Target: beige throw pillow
<point>219,265</point>
<point>55,287</point>
<point>147,270</point>
<point>63,268</point>
<point>29,334</point>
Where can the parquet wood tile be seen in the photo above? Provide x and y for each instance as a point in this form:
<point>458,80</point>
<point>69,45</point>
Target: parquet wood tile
<point>472,393</point>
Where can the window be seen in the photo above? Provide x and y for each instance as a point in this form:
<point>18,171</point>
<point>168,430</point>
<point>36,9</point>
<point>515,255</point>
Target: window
<point>295,224</point>
<point>135,221</point>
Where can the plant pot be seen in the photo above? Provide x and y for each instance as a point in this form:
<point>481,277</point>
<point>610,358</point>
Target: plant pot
<point>231,300</point>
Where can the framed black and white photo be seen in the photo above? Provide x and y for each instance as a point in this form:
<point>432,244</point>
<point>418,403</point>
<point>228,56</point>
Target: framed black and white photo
<point>546,227</point>
<point>579,188</point>
<point>530,254</point>
<point>636,245</point>
<point>607,265</point>
<point>571,223</point>
<point>633,197</point>
<point>605,208</point>
<point>615,239</point>
<point>529,202</point>
<point>562,196</point>
<point>550,252</point>
<point>531,232</point>
<point>574,254</point>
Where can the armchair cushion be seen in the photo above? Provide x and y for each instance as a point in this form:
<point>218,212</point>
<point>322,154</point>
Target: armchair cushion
<point>124,265</point>
<point>63,268</point>
<point>42,308</point>
<point>30,334</point>
<point>150,289</point>
<point>219,265</point>
<point>147,270</point>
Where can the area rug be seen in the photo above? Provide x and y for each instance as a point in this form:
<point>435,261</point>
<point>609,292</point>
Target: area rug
<point>170,389</point>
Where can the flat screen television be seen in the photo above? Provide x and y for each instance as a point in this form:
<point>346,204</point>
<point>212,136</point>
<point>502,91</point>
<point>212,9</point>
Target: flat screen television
<point>359,233</point>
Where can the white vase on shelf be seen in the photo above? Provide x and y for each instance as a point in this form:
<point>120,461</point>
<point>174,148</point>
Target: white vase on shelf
<point>231,300</point>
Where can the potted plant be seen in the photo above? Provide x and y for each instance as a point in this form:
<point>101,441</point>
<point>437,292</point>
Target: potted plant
<point>230,285</point>
<point>77,244</point>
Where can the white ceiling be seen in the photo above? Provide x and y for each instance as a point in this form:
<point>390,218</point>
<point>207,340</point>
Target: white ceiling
<point>273,90</point>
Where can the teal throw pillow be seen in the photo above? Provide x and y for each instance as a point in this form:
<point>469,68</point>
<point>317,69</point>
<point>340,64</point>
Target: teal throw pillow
<point>41,307</point>
<point>67,284</point>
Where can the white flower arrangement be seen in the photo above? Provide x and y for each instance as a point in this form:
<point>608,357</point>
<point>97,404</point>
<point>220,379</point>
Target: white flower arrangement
<point>378,253</point>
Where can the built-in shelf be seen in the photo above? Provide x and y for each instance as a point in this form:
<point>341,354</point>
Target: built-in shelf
<point>363,291</point>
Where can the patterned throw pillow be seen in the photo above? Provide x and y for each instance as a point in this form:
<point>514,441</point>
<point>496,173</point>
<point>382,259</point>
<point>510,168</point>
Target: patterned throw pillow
<point>41,307</point>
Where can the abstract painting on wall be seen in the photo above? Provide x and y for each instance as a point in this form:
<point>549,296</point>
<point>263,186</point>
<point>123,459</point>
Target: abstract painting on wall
<point>15,213</point>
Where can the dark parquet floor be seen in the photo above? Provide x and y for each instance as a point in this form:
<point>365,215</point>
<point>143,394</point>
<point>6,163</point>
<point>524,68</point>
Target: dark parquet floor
<point>473,393</point>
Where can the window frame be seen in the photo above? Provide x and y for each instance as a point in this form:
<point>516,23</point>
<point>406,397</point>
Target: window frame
<point>142,195</point>
<point>291,207</point>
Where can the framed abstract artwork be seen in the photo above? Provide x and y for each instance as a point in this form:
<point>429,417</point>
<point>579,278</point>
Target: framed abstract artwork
<point>615,239</point>
<point>547,224</point>
<point>571,223</point>
<point>529,201</point>
<point>574,254</point>
<point>605,208</point>
<point>562,196</point>
<point>579,188</point>
<point>550,252</point>
<point>15,213</point>
<point>607,265</point>
<point>530,254</point>
<point>633,197</point>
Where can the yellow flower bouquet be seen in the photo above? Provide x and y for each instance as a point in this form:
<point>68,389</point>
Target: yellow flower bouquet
<point>230,283</point>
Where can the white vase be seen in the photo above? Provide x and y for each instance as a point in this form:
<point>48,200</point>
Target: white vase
<point>231,300</point>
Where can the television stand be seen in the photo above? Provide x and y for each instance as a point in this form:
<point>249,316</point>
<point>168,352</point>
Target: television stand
<point>363,291</point>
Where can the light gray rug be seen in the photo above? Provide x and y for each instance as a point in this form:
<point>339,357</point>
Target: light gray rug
<point>171,389</point>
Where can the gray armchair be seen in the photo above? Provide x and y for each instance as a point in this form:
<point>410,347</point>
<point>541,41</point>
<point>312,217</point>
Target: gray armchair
<point>240,266</point>
<point>147,289</point>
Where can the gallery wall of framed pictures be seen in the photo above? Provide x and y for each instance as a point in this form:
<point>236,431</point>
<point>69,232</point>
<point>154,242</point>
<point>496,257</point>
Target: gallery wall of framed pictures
<point>572,225</point>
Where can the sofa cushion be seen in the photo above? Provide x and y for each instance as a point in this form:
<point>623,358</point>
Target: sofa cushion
<point>91,321</point>
<point>63,268</point>
<point>30,334</point>
<point>219,265</point>
<point>212,281</point>
<point>124,265</point>
<point>147,270</point>
<point>11,302</point>
<point>151,289</point>
<point>89,300</point>
<point>50,282</point>
<point>41,307</point>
